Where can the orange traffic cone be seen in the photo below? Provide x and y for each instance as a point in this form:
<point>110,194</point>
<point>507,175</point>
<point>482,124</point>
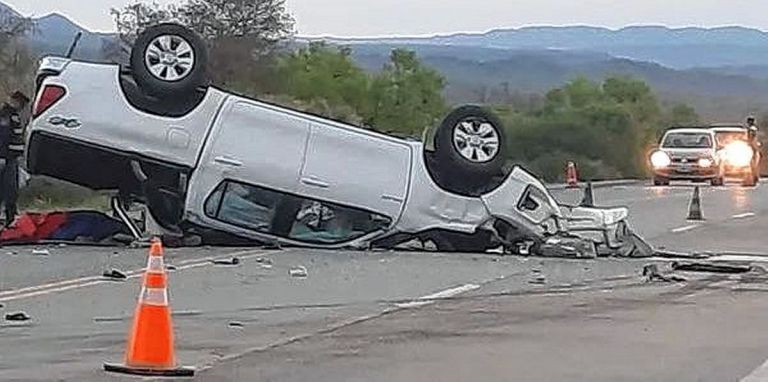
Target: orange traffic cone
<point>150,350</point>
<point>571,176</point>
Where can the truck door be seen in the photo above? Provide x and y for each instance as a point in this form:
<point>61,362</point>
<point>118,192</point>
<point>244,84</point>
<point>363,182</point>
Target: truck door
<point>251,143</point>
<point>356,168</point>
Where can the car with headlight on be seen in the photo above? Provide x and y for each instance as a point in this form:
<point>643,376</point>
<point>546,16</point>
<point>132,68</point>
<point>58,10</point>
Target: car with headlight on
<point>687,154</point>
<point>738,157</point>
<point>201,158</point>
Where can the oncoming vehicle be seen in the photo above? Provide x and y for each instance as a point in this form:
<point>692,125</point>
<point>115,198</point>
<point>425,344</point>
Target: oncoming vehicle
<point>203,158</point>
<point>686,154</point>
<point>739,157</point>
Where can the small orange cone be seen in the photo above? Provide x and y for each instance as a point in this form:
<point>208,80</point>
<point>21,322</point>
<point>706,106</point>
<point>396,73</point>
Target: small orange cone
<point>571,175</point>
<point>150,350</point>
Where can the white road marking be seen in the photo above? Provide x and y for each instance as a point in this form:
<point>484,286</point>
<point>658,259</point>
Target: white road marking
<point>420,302</point>
<point>744,215</point>
<point>50,285</point>
<point>430,299</point>
<point>83,282</point>
<point>758,375</point>
<point>686,228</point>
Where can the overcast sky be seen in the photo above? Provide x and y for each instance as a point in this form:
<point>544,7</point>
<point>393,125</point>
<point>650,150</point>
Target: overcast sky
<point>409,17</point>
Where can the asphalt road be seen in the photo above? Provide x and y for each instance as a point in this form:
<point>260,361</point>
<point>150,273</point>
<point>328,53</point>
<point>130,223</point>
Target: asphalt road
<point>408,316</point>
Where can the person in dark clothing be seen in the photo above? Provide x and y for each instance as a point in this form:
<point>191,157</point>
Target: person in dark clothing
<point>11,149</point>
<point>752,128</point>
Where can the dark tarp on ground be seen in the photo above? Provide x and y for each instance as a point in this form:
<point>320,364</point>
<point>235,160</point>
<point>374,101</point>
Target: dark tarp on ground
<point>81,226</point>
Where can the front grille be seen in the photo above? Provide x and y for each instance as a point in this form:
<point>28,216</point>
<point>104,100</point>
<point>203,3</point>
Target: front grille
<point>685,160</point>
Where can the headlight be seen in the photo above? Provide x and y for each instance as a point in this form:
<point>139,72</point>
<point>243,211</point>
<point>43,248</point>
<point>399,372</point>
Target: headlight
<point>739,154</point>
<point>660,159</point>
<point>705,163</point>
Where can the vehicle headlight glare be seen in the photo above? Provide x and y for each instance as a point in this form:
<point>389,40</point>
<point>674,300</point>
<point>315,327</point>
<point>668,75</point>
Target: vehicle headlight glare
<point>705,162</point>
<point>739,154</point>
<point>660,159</point>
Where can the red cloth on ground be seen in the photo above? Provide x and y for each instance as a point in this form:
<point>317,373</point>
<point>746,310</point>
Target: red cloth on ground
<point>32,227</point>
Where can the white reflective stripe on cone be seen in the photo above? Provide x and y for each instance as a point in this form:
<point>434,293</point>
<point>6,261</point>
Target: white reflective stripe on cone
<point>155,264</point>
<point>154,296</point>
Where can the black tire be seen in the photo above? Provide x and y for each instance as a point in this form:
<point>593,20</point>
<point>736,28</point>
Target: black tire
<point>461,174</point>
<point>658,181</point>
<point>190,79</point>
<point>719,181</point>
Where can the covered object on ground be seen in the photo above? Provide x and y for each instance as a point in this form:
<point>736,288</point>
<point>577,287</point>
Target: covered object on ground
<point>80,226</point>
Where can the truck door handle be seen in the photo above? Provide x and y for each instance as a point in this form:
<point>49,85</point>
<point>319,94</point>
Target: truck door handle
<point>225,160</point>
<point>314,182</point>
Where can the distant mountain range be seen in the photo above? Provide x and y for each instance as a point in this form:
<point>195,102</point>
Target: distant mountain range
<point>723,72</point>
<point>677,48</point>
<point>54,33</point>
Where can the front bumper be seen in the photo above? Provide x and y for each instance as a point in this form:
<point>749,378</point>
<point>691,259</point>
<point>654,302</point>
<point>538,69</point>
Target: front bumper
<point>736,171</point>
<point>683,172</point>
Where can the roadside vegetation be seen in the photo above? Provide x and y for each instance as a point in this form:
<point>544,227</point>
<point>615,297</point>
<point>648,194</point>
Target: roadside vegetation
<point>606,127</point>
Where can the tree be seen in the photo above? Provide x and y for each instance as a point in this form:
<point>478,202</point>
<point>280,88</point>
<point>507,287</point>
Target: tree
<point>406,97</point>
<point>242,35</point>
<point>265,20</point>
<point>680,115</point>
<point>605,127</point>
<point>16,62</point>
<point>137,16</point>
<point>324,72</point>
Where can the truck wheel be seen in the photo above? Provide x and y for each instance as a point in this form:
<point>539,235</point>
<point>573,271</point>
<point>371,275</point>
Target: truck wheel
<point>658,181</point>
<point>169,60</point>
<point>470,149</point>
<point>719,181</point>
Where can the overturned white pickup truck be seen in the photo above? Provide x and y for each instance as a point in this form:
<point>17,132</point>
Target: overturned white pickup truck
<point>202,158</point>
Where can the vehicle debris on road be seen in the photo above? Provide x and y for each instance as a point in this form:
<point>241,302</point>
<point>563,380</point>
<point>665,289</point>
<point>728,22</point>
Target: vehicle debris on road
<point>230,262</point>
<point>17,316</point>
<point>41,252</point>
<point>264,260</point>
<point>115,274</point>
<point>538,280</point>
<point>299,272</point>
<point>652,274</point>
<point>711,268</point>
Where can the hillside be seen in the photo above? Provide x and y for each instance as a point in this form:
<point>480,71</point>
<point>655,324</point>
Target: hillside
<point>54,33</point>
<point>484,72</point>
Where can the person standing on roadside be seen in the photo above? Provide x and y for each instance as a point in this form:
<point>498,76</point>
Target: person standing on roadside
<point>752,128</point>
<point>11,149</point>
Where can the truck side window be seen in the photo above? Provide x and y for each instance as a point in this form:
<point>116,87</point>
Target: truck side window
<point>327,223</point>
<point>243,206</point>
<point>290,216</point>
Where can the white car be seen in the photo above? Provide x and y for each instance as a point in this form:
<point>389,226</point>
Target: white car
<point>204,159</point>
<point>687,154</point>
